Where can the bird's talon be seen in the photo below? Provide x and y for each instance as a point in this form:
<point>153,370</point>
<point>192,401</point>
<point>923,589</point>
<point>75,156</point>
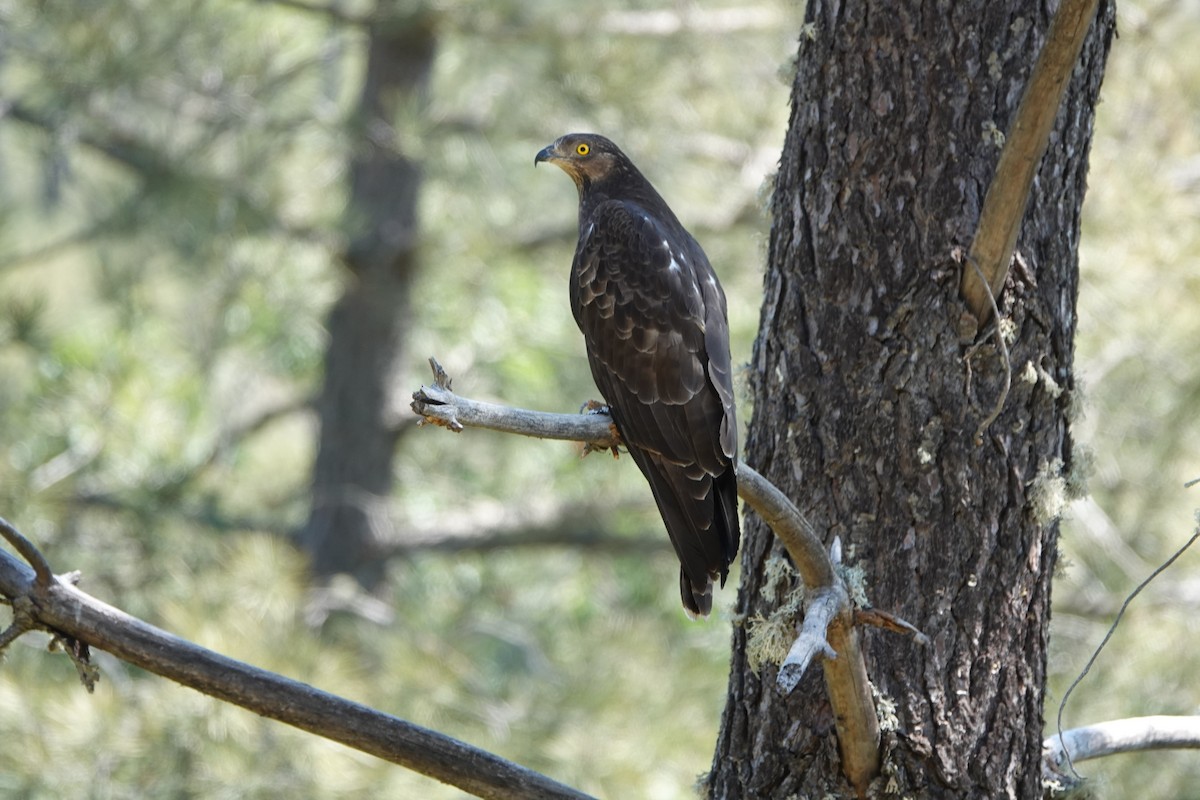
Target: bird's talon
<point>676,402</point>
<point>595,407</point>
<point>588,448</point>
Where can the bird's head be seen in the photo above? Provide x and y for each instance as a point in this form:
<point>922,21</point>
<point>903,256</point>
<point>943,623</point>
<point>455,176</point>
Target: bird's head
<point>587,157</point>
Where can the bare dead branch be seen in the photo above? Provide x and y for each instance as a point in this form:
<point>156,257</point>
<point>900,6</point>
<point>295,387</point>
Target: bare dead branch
<point>78,617</point>
<point>1025,144</point>
<point>819,610</point>
<point>22,622</point>
<point>889,622</point>
<point>440,406</point>
<point>831,630</point>
<point>41,568</point>
<point>1111,630</point>
<point>1118,736</point>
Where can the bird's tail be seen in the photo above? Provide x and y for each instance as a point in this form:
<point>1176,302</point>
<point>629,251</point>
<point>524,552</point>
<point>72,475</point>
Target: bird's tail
<point>697,601</point>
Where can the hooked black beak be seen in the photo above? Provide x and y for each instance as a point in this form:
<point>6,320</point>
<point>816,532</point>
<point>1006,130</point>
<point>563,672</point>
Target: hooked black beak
<point>545,154</point>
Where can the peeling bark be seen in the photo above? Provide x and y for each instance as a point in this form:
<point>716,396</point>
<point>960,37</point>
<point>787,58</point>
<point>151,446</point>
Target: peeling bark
<point>866,407</point>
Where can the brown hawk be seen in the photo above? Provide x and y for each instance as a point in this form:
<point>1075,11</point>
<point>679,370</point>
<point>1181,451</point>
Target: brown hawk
<point>653,317</point>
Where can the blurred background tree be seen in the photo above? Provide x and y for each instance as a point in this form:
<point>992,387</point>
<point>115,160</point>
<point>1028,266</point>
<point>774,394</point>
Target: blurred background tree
<point>190,287</point>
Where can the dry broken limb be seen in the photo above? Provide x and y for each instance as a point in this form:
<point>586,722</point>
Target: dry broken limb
<point>1120,736</point>
<point>1131,735</point>
<point>75,617</point>
<point>828,627</point>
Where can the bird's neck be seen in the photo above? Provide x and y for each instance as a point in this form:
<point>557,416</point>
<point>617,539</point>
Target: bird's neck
<point>628,186</point>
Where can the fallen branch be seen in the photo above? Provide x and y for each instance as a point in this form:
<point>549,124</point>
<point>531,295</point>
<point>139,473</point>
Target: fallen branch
<point>828,627</point>
<point>76,617</point>
<point>1025,144</point>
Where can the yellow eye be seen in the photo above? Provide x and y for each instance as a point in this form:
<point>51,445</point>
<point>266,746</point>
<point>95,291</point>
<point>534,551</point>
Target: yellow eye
<point>582,149</point>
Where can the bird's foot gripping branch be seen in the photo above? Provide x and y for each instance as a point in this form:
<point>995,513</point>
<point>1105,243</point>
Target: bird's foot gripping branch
<point>828,629</point>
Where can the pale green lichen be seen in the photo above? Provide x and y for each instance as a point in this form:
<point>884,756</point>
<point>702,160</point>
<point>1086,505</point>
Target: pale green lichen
<point>1062,787</point>
<point>1051,386</point>
<point>768,640</point>
<point>764,196</point>
<point>1029,373</point>
<point>1007,329</point>
<point>1083,465</point>
<point>1062,564</point>
<point>931,439</point>
<point>993,65</point>
<point>786,74</point>
<point>778,578</point>
<point>1076,407</point>
<point>992,134</point>
<point>885,709</point>
<point>854,577</point>
<point>1048,492</point>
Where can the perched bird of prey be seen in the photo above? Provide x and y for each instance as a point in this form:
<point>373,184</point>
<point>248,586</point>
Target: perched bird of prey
<point>653,316</point>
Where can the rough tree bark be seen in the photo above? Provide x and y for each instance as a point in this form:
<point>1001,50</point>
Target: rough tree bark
<point>867,400</point>
<point>358,408</point>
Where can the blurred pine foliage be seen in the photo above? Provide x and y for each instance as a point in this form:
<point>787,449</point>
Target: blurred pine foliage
<point>172,181</point>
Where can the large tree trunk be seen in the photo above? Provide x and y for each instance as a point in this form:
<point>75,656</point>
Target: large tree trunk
<point>866,405</point>
<point>358,408</point>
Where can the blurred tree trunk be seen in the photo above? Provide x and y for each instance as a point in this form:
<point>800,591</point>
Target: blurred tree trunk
<point>866,404</point>
<point>357,408</point>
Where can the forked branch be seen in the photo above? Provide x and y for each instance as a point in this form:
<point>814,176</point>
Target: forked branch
<point>81,620</point>
<point>828,628</point>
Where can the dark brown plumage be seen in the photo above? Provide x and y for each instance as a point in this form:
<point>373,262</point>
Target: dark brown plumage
<point>653,317</point>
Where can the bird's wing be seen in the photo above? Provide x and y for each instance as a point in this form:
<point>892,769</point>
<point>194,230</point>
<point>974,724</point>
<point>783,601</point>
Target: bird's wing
<point>653,316</point>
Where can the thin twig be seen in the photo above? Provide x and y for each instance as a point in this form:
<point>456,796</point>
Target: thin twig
<point>1000,343</point>
<point>22,622</point>
<point>1111,630</point>
<point>27,551</point>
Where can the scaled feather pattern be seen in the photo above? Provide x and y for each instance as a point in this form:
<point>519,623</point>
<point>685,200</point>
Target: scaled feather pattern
<point>653,317</point>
